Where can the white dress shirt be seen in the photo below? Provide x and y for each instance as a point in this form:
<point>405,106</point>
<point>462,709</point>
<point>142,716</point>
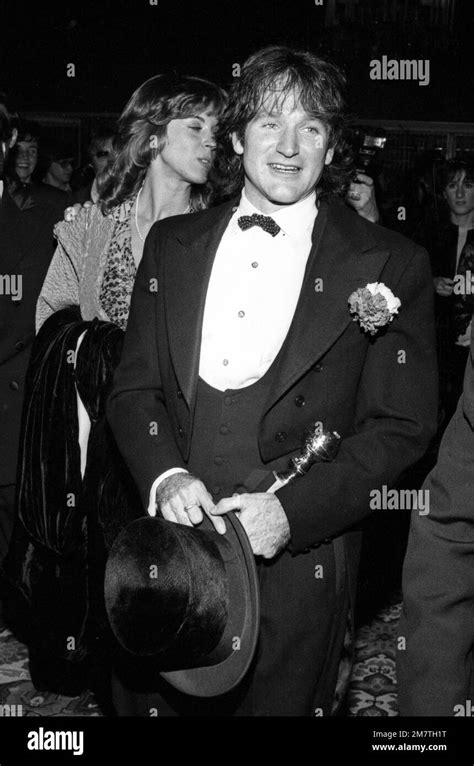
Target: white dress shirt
<point>253,290</point>
<point>252,295</point>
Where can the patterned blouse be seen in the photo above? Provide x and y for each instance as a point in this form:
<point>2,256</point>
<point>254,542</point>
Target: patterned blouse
<point>120,270</point>
<point>93,266</point>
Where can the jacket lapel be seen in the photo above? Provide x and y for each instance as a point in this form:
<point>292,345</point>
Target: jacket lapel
<point>343,257</point>
<point>193,254</point>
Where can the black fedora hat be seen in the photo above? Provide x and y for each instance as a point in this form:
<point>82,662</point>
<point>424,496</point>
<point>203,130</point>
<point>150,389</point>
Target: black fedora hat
<point>187,597</point>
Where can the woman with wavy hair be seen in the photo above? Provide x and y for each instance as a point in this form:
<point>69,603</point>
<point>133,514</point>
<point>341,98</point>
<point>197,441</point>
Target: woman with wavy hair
<point>163,153</point>
<point>75,492</point>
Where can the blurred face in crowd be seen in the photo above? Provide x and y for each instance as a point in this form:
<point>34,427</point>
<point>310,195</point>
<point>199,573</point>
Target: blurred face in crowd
<point>284,153</point>
<point>59,173</point>
<point>459,194</point>
<point>189,149</point>
<point>26,159</point>
<point>101,154</point>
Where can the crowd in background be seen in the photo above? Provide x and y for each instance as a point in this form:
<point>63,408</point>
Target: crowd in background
<point>42,177</point>
<point>436,196</point>
<point>37,159</point>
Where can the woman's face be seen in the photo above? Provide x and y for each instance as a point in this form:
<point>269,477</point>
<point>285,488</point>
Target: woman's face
<point>26,159</point>
<point>189,148</point>
<point>459,194</point>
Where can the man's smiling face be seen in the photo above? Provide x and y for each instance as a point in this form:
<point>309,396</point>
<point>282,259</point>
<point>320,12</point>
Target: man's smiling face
<point>284,153</point>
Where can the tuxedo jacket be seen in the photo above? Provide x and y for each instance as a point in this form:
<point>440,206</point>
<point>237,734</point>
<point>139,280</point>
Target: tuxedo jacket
<point>379,393</point>
<point>436,663</point>
<point>26,249</point>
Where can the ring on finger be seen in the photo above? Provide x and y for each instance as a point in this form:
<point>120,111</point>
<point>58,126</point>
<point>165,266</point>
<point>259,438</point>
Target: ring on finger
<point>192,505</point>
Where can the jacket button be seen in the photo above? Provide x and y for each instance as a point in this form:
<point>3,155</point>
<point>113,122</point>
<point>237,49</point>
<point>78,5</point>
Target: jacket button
<point>224,430</point>
<point>318,367</point>
<point>281,436</point>
<point>180,431</point>
<point>20,345</point>
<point>14,385</point>
<point>179,393</point>
<point>300,401</point>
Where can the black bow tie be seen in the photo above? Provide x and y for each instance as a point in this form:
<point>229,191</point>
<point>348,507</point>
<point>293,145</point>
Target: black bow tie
<point>264,221</point>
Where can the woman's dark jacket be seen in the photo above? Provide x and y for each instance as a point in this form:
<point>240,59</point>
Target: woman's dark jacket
<point>52,578</point>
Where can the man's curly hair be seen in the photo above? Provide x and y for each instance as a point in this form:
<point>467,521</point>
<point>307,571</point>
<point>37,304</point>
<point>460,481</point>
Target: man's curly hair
<point>318,86</point>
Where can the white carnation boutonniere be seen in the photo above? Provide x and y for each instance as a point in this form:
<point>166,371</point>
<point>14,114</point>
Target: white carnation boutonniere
<point>373,306</point>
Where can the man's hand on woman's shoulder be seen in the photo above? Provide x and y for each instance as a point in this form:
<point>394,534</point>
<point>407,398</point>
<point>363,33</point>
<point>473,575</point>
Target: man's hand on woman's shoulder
<point>71,212</point>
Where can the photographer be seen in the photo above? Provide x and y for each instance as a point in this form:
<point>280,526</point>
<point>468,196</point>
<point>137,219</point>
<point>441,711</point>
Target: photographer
<point>361,197</point>
<point>367,146</point>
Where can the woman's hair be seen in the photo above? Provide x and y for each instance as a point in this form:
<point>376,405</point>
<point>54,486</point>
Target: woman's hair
<point>450,169</point>
<point>152,106</point>
<point>318,86</point>
<point>28,130</point>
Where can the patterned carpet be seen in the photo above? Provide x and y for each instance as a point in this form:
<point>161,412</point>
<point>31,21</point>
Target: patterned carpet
<point>372,690</point>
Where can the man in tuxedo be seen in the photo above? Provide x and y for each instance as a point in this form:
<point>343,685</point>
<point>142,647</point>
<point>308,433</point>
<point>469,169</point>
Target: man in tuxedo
<point>436,657</point>
<point>240,337</point>
<point>27,217</point>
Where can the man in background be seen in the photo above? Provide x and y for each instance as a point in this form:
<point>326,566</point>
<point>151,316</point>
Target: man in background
<point>435,659</point>
<point>100,153</point>
<point>58,164</point>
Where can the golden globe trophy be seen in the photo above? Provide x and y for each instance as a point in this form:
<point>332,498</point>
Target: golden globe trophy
<point>320,447</point>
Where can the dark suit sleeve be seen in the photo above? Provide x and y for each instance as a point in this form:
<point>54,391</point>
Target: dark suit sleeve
<point>435,668</point>
<point>136,409</point>
<point>395,418</point>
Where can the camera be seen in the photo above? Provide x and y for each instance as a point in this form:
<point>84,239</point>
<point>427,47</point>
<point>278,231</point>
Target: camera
<point>367,149</point>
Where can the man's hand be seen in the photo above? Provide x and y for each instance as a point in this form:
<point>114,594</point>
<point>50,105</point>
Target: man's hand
<point>71,212</point>
<point>443,286</point>
<point>181,498</point>
<point>263,518</point>
<point>361,197</point>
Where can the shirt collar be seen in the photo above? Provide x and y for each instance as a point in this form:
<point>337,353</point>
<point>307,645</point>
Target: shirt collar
<point>293,220</point>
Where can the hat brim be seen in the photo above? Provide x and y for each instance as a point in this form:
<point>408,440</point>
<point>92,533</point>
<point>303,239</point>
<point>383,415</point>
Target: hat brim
<point>214,680</point>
